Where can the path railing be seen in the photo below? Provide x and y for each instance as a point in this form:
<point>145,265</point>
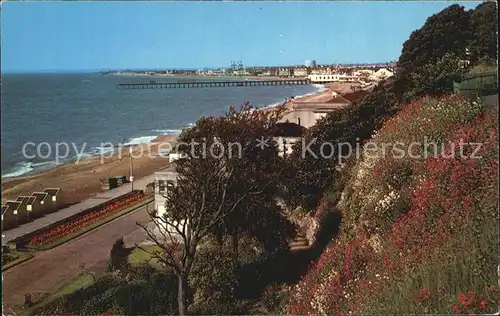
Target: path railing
<point>478,85</point>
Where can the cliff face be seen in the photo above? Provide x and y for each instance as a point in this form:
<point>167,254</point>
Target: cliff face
<point>419,219</point>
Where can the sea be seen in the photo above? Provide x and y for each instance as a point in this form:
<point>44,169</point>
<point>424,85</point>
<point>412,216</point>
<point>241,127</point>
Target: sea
<point>86,111</point>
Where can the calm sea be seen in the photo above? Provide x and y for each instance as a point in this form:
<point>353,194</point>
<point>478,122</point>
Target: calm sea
<point>88,109</point>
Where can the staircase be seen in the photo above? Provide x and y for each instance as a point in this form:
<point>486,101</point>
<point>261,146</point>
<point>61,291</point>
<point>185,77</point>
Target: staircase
<point>299,244</point>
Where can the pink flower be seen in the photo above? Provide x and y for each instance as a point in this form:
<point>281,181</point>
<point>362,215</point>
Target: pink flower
<point>483,304</point>
<point>455,309</point>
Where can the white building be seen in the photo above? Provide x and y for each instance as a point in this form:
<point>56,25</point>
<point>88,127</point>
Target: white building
<point>163,181</point>
<point>173,156</point>
<point>382,73</point>
<point>332,78</point>
<point>300,72</point>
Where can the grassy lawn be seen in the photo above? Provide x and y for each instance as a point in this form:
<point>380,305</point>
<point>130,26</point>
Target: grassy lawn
<point>78,282</point>
<point>96,225</point>
<point>139,256</point>
<point>15,258</point>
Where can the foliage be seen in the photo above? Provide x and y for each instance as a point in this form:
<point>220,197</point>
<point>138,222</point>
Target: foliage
<point>225,185</point>
<point>484,23</point>
<point>435,55</point>
<point>154,294</point>
<point>274,297</point>
<point>418,235</point>
<point>90,300</point>
<point>330,142</point>
<point>214,279</point>
<point>447,32</point>
<point>437,77</point>
<point>256,169</point>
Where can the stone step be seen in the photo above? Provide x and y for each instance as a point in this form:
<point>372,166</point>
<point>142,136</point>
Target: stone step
<point>300,239</point>
<point>296,243</point>
<point>299,249</point>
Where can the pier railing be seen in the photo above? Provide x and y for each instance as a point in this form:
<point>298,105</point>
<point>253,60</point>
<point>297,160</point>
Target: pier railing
<point>212,84</point>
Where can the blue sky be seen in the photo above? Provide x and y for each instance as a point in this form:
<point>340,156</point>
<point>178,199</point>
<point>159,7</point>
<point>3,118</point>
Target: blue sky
<point>76,36</point>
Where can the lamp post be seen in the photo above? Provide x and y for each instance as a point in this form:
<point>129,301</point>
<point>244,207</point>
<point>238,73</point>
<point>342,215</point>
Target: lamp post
<point>131,169</point>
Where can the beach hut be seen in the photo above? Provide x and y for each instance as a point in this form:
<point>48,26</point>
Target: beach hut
<point>33,213</point>
<point>23,215</point>
<point>40,204</point>
<point>13,207</point>
<point>9,219</point>
<point>53,198</point>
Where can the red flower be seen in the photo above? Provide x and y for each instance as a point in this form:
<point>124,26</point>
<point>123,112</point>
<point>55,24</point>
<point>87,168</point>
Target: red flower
<point>483,304</point>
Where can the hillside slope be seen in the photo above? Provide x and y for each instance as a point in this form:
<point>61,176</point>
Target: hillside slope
<point>419,219</point>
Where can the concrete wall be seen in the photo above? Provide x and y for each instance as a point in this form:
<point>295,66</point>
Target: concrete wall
<point>491,99</point>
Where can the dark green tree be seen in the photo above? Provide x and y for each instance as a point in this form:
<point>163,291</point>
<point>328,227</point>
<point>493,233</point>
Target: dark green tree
<point>230,162</point>
<point>484,25</point>
<point>330,142</point>
<point>445,33</point>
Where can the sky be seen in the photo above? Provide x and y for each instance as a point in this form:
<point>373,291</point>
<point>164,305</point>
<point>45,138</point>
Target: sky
<point>88,36</point>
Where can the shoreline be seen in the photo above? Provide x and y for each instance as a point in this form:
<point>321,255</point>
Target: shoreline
<point>80,179</point>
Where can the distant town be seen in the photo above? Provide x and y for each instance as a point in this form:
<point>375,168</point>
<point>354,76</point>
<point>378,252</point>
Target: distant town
<point>324,73</point>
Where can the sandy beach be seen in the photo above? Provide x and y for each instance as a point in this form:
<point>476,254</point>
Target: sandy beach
<point>81,180</point>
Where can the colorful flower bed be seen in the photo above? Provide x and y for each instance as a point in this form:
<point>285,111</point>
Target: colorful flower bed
<point>418,236</point>
<point>82,222</point>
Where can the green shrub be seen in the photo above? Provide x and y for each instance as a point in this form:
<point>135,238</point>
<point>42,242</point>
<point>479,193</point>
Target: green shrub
<point>155,295</point>
<point>214,281</point>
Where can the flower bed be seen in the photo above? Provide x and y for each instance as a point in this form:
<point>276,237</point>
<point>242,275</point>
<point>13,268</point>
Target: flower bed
<point>82,222</point>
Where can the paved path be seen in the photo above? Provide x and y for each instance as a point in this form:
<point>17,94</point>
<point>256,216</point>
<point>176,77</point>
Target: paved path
<point>50,269</point>
<point>139,184</point>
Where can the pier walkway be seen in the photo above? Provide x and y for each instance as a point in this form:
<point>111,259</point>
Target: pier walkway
<point>11,234</point>
<point>212,84</point>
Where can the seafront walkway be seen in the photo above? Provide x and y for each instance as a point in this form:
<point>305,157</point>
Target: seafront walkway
<point>139,184</point>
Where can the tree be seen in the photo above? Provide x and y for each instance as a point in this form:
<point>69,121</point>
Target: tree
<point>214,185</point>
<point>257,168</point>
<point>118,256</point>
<point>484,23</point>
<point>331,141</point>
<point>437,78</point>
<point>447,32</point>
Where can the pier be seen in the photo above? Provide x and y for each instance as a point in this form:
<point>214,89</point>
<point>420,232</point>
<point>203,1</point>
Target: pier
<point>212,84</point>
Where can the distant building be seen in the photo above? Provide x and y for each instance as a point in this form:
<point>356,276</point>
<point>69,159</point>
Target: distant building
<point>310,63</point>
<point>285,72</point>
<point>382,73</point>
<point>307,111</point>
<point>300,72</point>
<point>332,78</point>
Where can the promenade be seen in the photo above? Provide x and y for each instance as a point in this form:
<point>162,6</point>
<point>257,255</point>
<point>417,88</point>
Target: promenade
<point>139,184</point>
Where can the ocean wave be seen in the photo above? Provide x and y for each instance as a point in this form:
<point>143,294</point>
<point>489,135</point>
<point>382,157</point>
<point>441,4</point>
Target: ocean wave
<point>140,140</point>
<point>96,151</point>
<point>173,132</point>
<point>25,167</point>
<point>319,89</point>
<point>21,168</point>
